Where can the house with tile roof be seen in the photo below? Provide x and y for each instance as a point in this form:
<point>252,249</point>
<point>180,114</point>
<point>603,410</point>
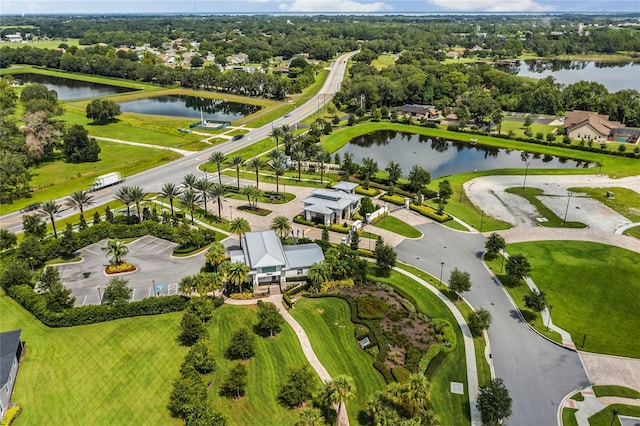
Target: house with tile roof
<point>329,206</point>
<point>589,125</point>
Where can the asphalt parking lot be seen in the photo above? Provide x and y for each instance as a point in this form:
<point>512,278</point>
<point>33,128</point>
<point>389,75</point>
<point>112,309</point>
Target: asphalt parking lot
<point>157,270</point>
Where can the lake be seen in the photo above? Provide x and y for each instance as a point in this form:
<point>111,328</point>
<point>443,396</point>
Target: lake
<point>442,157</point>
<point>190,107</point>
<point>72,89</point>
<point>614,76</point>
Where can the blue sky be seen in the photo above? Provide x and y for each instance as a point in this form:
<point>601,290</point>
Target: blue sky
<point>312,6</point>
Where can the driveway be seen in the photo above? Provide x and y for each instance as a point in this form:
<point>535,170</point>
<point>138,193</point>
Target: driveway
<point>152,256</point>
<point>537,373</point>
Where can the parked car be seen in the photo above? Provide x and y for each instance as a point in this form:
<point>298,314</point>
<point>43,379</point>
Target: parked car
<point>30,208</point>
<point>237,137</point>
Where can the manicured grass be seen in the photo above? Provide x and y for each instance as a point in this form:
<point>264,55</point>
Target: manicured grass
<point>594,289</point>
<point>578,396</point>
<point>289,179</point>
<point>267,370</point>
<point>57,179</point>
<point>331,332</point>
<point>633,232</point>
<point>612,390</point>
<point>553,221</point>
<point>43,44</point>
<point>383,61</point>
<point>394,224</point>
<point>605,417</point>
<point>569,417</point>
<point>257,211</point>
<point>518,292</point>
<point>626,202</point>
<point>101,374</point>
<point>518,128</point>
<point>452,409</point>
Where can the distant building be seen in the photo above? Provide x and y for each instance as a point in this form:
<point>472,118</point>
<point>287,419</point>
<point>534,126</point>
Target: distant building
<point>14,38</point>
<point>271,262</point>
<point>427,111</point>
<point>589,125</point>
<point>11,350</point>
<point>240,58</point>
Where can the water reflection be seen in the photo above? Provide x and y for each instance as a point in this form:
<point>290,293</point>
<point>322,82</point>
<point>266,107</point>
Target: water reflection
<point>443,157</point>
<point>190,107</point>
<point>72,89</point>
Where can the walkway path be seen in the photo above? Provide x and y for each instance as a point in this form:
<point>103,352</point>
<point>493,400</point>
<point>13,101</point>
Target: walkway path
<point>304,343</point>
<point>593,404</point>
<point>183,152</point>
<point>469,352</point>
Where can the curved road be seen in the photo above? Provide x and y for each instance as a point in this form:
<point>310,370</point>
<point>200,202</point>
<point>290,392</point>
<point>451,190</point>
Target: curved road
<point>152,180</point>
<point>537,372</point>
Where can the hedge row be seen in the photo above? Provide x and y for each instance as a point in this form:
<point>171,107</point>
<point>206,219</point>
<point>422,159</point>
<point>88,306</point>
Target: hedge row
<point>421,209</point>
<point>333,227</point>
<point>89,314</point>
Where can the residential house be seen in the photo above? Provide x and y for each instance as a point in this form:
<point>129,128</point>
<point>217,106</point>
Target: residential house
<point>271,262</point>
<point>589,125</point>
<point>14,38</point>
<point>240,58</point>
<point>11,350</point>
<point>427,111</point>
<point>332,205</point>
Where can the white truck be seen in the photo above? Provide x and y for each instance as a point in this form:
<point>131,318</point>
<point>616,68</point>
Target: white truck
<point>106,180</point>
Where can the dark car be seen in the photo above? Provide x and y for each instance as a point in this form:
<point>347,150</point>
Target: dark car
<point>30,208</point>
<point>236,137</point>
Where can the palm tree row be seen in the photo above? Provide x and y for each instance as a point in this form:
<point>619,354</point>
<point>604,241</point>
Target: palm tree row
<point>129,195</point>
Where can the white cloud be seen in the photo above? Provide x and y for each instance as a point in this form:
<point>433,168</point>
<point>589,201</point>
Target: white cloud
<point>492,5</point>
<point>339,6</point>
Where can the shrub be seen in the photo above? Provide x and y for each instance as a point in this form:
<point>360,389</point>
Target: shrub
<point>118,269</point>
<point>329,285</point>
<point>371,192</point>
<point>401,374</point>
<point>11,414</point>
<point>242,296</point>
<point>371,307</point>
<point>430,213</point>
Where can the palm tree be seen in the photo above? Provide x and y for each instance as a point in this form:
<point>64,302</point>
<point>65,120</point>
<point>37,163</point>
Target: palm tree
<point>217,191</point>
<point>247,191</point>
<point>238,273</point>
<point>137,196</point>
<point>369,168</point>
<point>277,133</point>
<point>189,181</point>
<point>342,389</point>
<point>256,164</point>
<point>288,139</point>
<point>190,197</point>
<point>237,162</point>
<point>116,250</point>
<point>216,254</point>
<point>394,171</point>
<point>279,168</point>
<point>51,208</point>
<point>203,185</point>
<point>322,156</point>
<point>170,191</point>
<point>418,392</point>
<point>281,225</point>
<point>239,227</point>
<point>310,416</point>
<point>276,154</point>
<point>124,196</point>
<point>217,158</point>
<point>79,200</point>
<point>319,274</point>
<point>298,155</point>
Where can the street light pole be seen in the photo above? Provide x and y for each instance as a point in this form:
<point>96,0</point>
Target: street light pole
<point>441,269</point>
<point>481,219</point>
<point>524,183</point>
<point>99,296</point>
<point>231,212</point>
<point>567,209</point>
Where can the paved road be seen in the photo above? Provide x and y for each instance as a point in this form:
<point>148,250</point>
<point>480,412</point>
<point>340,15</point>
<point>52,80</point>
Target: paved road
<point>152,180</point>
<point>537,373</point>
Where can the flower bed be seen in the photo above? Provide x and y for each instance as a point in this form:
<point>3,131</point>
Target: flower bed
<point>120,268</point>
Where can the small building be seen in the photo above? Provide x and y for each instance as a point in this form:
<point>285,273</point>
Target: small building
<point>271,262</point>
<point>14,38</point>
<point>11,350</point>
<point>328,206</point>
<point>589,125</point>
<point>240,58</point>
<point>426,111</point>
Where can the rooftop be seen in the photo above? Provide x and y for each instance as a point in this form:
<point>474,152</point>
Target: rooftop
<point>9,342</point>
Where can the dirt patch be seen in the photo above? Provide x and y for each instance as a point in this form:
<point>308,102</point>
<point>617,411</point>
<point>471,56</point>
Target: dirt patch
<point>612,370</point>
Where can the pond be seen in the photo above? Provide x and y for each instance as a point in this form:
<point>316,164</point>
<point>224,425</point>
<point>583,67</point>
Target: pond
<point>442,157</point>
<point>72,89</point>
<point>614,76</point>
<point>190,107</point>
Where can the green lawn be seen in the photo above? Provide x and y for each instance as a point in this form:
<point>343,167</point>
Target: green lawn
<point>612,390</point>
<point>267,370</point>
<point>553,221</point>
<point>606,416</point>
<point>394,224</point>
<point>331,332</point>
<point>58,179</point>
<point>44,44</point>
<point>594,290</point>
<point>569,417</point>
<point>452,409</point>
<point>118,372</point>
<point>383,61</point>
